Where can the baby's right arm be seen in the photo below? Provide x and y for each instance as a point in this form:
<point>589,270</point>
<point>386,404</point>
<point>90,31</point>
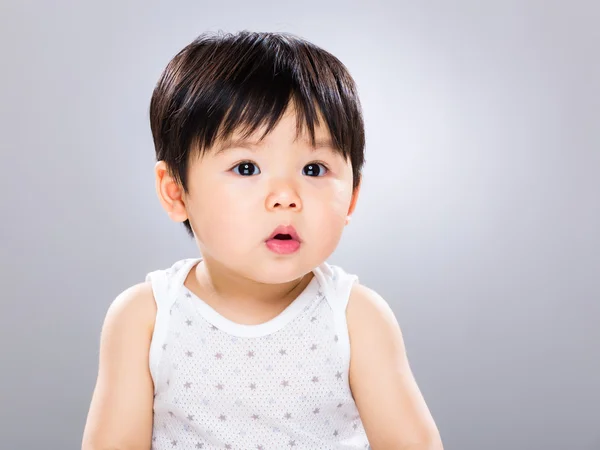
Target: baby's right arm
<point>120,415</point>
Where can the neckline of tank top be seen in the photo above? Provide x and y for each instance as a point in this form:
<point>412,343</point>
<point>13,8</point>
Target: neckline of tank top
<point>259,330</point>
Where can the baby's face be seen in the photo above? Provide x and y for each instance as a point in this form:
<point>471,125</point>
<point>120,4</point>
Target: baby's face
<point>240,195</point>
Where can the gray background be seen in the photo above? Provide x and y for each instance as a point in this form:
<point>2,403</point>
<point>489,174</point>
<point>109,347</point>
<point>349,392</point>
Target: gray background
<point>478,220</point>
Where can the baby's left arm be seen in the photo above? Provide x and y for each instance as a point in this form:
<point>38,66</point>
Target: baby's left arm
<point>391,406</point>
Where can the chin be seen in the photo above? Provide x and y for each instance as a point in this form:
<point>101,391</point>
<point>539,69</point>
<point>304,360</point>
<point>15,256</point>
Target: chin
<point>279,271</point>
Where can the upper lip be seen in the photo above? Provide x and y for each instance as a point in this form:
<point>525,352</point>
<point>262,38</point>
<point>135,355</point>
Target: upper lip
<point>285,229</point>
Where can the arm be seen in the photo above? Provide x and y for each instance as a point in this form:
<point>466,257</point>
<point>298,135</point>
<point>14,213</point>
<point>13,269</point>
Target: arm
<point>392,409</point>
<point>120,414</point>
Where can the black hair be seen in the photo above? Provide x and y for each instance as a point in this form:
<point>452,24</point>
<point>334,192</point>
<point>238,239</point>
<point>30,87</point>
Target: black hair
<point>223,82</point>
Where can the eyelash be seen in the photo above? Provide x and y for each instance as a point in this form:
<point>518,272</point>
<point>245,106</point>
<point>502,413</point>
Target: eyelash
<point>252,162</point>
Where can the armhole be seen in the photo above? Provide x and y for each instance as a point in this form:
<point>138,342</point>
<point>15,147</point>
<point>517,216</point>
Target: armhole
<point>160,290</point>
<point>338,294</point>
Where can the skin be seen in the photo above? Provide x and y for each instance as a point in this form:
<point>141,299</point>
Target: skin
<point>232,215</point>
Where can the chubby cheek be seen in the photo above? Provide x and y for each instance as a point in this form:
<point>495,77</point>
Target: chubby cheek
<point>336,200</point>
<point>223,220</point>
<point>328,216</point>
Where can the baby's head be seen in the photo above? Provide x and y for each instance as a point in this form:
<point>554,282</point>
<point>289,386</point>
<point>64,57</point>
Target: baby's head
<point>254,131</point>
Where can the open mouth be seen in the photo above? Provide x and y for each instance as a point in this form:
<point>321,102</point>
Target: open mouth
<point>285,233</point>
<point>283,237</point>
<point>284,240</point>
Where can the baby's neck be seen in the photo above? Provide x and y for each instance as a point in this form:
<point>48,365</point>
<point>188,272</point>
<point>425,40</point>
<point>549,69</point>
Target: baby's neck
<point>234,295</point>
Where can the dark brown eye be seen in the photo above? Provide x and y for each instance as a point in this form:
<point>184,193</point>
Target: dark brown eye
<point>246,169</point>
<point>314,170</point>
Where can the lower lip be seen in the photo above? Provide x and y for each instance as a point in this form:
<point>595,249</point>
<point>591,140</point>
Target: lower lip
<point>283,247</point>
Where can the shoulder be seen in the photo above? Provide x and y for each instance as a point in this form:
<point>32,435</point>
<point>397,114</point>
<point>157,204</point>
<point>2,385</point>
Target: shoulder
<point>366,309</point>
<point>132,309</point>
<point>363,306</point>
<point>373,329</point>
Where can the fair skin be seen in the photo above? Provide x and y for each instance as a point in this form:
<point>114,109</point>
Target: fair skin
<point>245,282</point>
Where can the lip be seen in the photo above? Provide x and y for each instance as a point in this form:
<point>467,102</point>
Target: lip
<point>285,229</point>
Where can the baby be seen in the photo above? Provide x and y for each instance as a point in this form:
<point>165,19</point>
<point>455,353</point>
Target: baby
<point>259,343</point>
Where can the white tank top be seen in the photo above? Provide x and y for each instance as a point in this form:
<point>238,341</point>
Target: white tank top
<point>277,385</point>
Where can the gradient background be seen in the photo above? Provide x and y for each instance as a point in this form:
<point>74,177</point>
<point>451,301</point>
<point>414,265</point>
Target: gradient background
<point>478,221</point>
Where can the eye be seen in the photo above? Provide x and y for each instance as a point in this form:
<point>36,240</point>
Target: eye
<point>314,170</point>
<point>246,169</point>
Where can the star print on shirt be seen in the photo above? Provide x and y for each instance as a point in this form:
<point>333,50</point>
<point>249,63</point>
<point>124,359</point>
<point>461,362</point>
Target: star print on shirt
<point>275,368</point>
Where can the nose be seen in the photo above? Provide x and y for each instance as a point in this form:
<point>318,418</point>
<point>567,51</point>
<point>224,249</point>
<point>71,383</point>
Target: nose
<point>283,196</point>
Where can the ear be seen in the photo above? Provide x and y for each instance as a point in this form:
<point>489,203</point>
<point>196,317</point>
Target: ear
<point>170,193</point>
<point>353,201</point>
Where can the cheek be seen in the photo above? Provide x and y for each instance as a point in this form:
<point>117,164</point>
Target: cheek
<point>327,223</point>
<point>336,200</point>
<point>223,214</point>
<point>330,209</point>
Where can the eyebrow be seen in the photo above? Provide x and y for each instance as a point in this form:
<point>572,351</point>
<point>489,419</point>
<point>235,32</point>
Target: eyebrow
<point>251,145</point>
